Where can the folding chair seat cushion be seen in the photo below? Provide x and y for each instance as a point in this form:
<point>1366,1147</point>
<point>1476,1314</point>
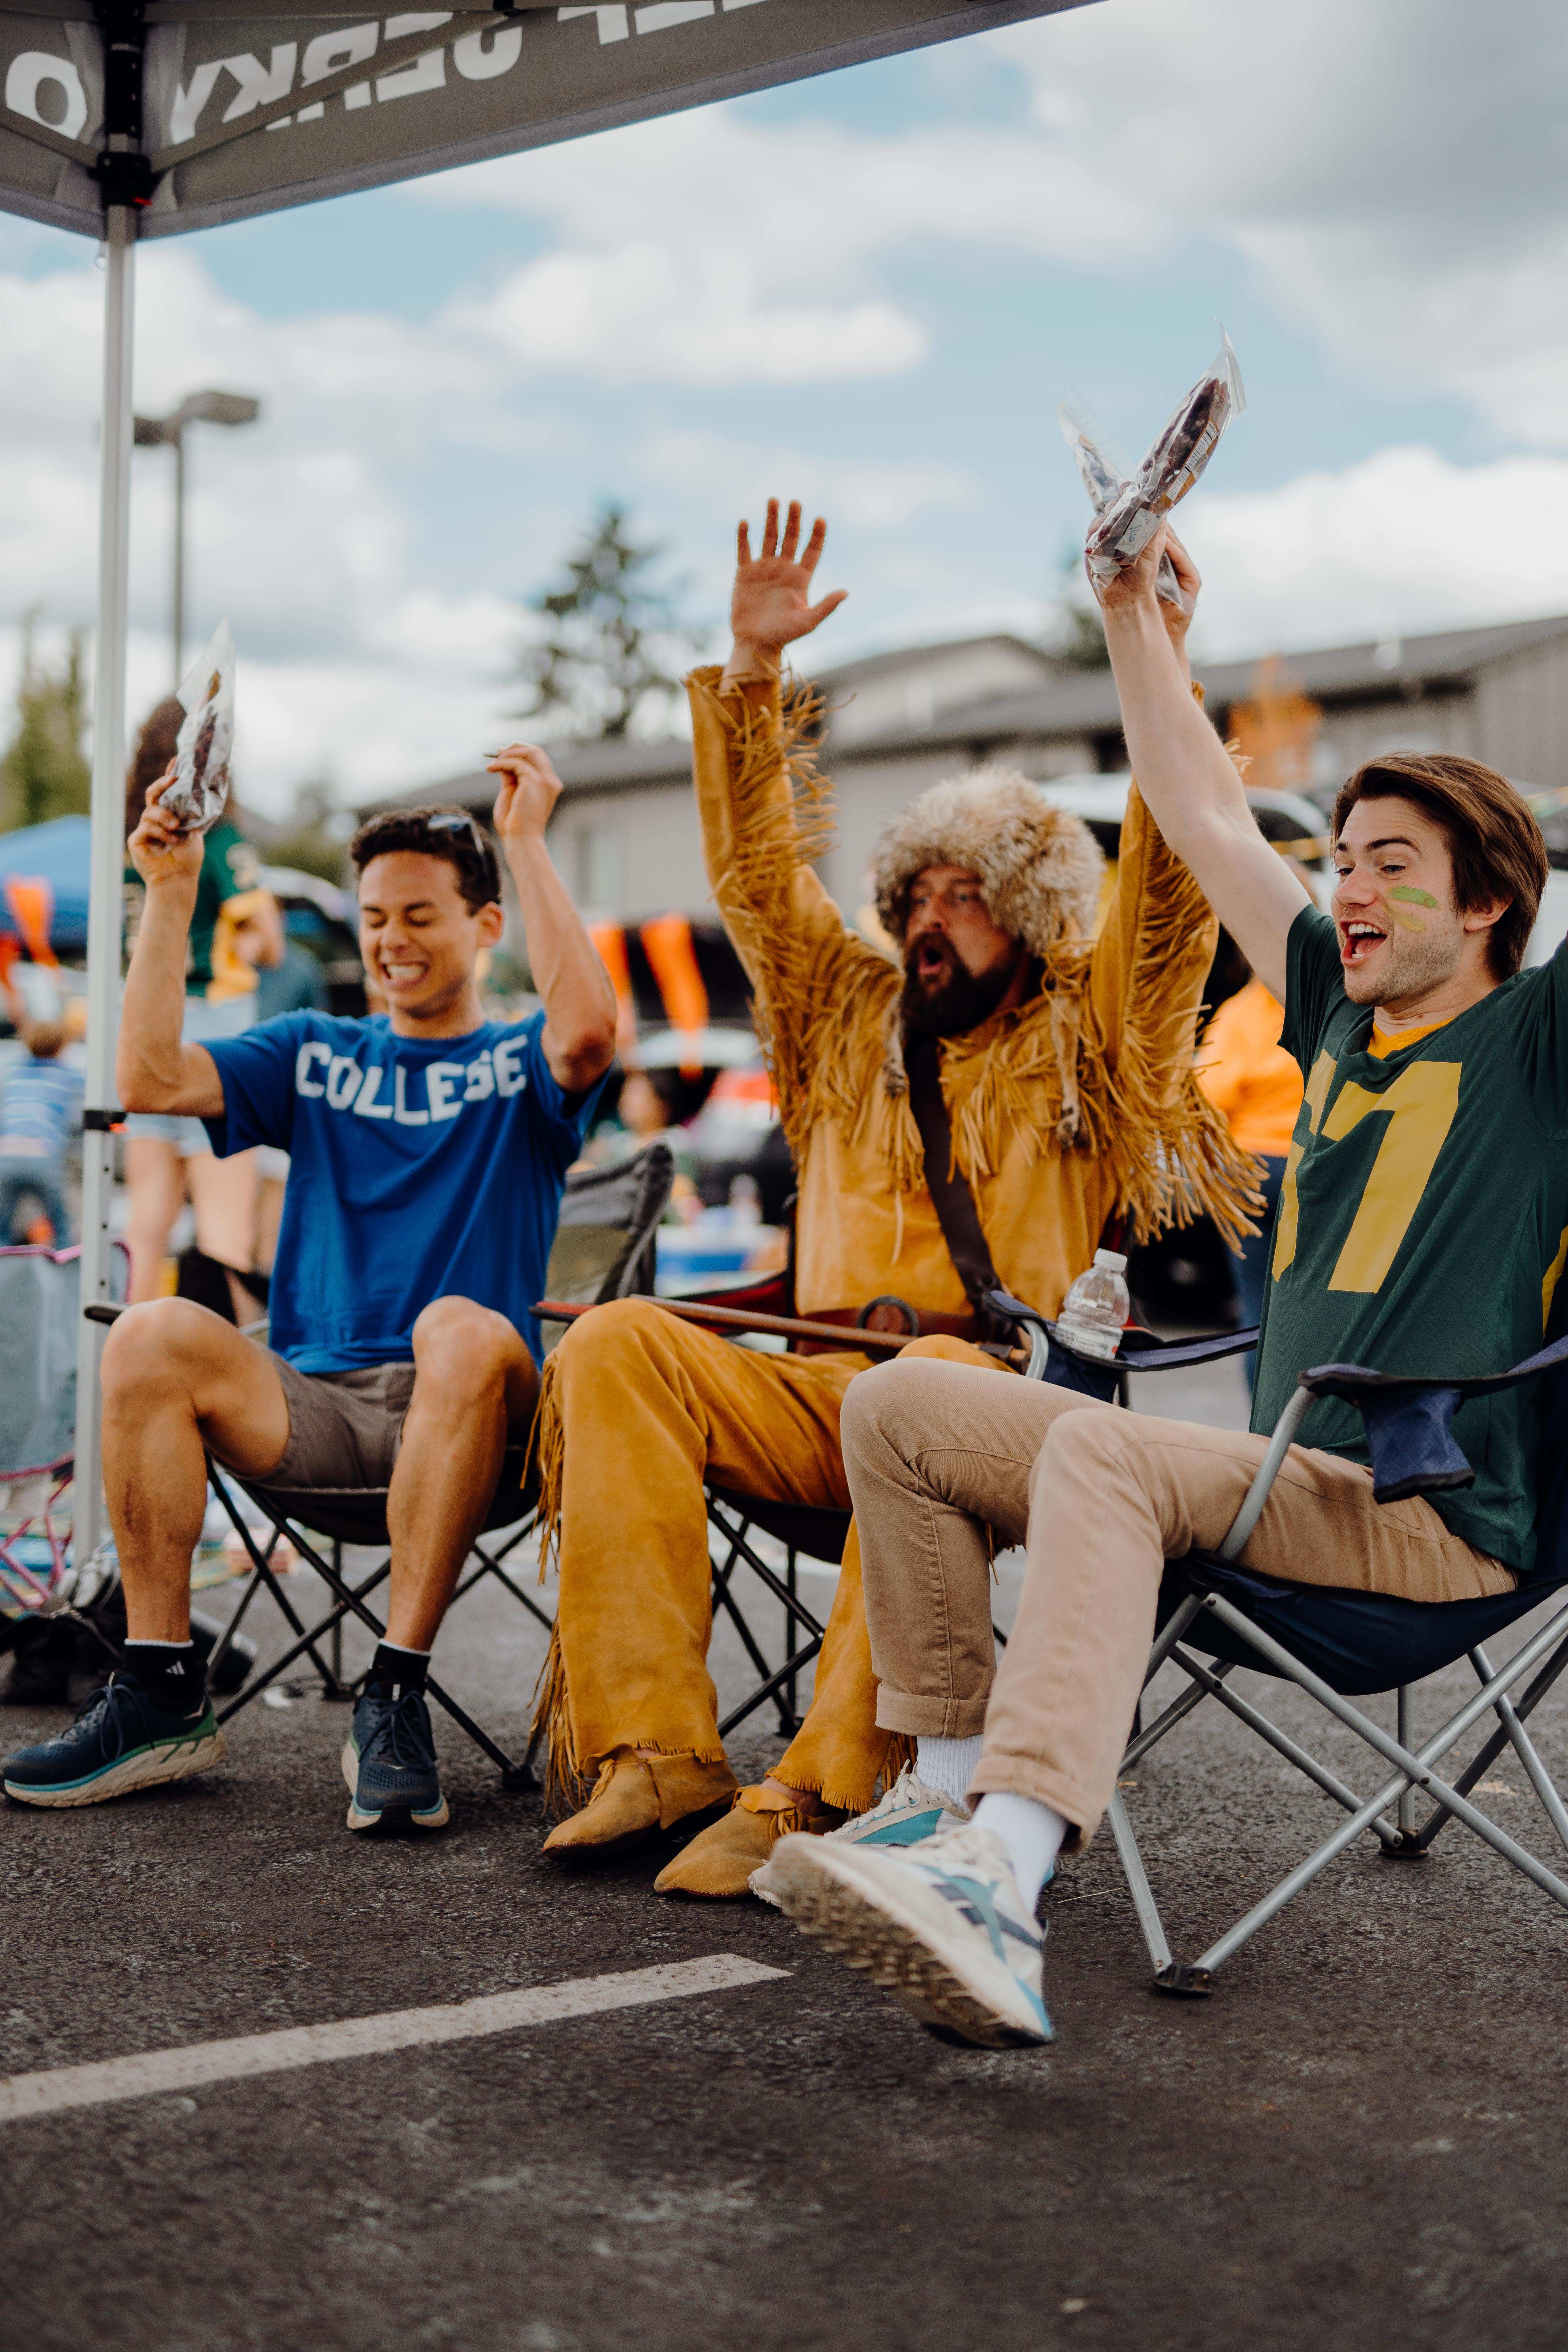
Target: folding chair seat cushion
<point>357,1514</point>
<point>814,1529</point>
<point>1355,1642</point>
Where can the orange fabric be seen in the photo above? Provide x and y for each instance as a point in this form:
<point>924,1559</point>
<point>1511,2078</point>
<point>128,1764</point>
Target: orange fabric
<point>30,902</point>
<point>1247,1073</point>
<point>1394,1041</point>
<point>611,943</point>
<point>668,945</point>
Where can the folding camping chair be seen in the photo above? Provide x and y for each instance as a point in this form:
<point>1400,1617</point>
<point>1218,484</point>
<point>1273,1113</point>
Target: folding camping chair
<point>603,1249</point>
<point>1333,1643</point>
<point>808,1530</point>
<point>38,1293</point>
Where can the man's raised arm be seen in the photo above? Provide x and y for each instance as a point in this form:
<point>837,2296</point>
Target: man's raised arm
<point>1192,788</point>
<point>154,1070</point>
<point>579,1001</point>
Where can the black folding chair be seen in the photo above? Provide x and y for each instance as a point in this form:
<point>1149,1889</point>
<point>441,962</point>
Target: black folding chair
<point>1333,1643</point>
<point>603,1249</point>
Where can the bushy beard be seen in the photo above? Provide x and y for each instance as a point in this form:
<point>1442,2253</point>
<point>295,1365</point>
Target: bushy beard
<point>964,998</point>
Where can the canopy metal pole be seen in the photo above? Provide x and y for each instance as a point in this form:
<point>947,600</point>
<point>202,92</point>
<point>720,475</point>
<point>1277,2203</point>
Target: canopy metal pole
<point>108,856</point>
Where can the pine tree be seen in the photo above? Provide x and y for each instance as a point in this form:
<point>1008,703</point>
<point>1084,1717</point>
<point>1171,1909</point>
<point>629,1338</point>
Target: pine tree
<point>611,640</point>
<point>46,772</point>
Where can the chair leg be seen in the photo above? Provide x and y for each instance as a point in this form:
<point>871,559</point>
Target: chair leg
<point>1407,1766</point>
<point>1143,1895</point>
<point>262,1563</point>
<point>1481,1765</point>
<point>791,1688</point>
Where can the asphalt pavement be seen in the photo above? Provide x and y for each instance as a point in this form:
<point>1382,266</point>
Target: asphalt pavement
<point>1356,2141</point>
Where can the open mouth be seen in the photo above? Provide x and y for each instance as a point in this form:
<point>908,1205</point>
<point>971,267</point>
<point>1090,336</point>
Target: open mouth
<point>401,975</point>
<point>932,960</point>
<point>1358,938</point>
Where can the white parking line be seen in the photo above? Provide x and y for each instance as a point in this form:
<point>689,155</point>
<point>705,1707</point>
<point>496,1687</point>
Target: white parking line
<point>198,2062</point>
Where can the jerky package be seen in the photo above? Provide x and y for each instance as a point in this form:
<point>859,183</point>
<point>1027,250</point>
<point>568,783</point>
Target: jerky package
<point>1130,520</point>
<point>205,740</point>
<point>1104,473</point>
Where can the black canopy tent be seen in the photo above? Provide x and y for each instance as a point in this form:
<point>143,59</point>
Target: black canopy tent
<point>130,119</point>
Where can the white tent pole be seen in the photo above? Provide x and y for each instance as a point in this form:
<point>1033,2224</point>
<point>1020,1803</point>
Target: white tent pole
<point>107,854</point>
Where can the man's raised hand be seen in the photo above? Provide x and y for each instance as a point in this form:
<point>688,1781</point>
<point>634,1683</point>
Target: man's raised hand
<point>162,853</point>
<point>529,789</point>
<point>771,604</point>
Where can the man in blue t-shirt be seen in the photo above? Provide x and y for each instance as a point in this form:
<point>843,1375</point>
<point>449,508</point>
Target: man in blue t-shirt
<point>429,1149</point>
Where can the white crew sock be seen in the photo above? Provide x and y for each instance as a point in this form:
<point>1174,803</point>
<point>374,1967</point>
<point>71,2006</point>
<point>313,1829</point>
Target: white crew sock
<point>1032,1833</point>
<point>949,1765</point>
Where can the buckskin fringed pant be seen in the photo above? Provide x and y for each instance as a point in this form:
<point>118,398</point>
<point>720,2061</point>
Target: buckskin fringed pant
<point>638,1408</point>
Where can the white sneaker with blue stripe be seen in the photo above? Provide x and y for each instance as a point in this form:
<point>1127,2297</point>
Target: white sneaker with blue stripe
<point>941,1925</point>
<point>910,1810</point>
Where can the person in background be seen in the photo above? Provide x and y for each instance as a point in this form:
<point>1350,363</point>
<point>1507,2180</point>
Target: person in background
<point>236,928</point>
<point>295,983</point>
<point>1248,1074</point>
<point>40,1110</point>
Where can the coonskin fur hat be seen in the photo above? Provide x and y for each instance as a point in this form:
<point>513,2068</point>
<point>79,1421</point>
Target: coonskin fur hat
<point>1040,868</point>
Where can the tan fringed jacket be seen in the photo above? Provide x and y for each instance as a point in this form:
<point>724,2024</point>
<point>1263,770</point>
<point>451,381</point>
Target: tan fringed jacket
<point>1117,1015</point>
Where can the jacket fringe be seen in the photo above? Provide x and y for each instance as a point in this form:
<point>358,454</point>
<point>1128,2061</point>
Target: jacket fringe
<point>1040,1076</point>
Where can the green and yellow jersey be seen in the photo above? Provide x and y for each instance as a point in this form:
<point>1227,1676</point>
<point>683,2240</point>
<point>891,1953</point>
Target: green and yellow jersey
<point>229,889</point>
<point>1423,1220</point>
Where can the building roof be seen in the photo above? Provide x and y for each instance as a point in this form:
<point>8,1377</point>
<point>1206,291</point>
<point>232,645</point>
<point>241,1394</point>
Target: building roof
<point>1083,702</point>
<point>1067,701</point>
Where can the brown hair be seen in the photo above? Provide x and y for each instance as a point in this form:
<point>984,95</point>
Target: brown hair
<point>449,833</point>
<point>1497,847</point>
<point>154,749</point>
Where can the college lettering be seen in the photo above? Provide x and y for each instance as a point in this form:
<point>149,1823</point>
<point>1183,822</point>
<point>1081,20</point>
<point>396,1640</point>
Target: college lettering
<point>337,1080</point>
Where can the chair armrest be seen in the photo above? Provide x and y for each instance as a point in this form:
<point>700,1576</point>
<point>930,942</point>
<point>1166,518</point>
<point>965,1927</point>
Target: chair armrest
<point>1139,1351</point>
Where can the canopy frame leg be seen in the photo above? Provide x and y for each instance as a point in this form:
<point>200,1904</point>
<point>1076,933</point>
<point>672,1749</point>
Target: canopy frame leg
<point>108,860</point>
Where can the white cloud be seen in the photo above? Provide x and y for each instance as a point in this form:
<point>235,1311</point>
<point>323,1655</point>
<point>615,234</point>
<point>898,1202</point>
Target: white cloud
<point>1403,541</point>
<point>642,315</point>
<point>738,478</point>
<point>752,243</point>
<point>1391,167</point>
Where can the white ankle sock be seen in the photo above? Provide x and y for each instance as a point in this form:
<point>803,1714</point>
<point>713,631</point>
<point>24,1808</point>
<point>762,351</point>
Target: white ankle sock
<point>1032,1833</point>
<point>948,1765</point>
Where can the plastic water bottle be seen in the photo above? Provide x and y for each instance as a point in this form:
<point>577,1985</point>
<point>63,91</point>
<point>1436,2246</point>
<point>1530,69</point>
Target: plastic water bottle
<point>1095,1309</point>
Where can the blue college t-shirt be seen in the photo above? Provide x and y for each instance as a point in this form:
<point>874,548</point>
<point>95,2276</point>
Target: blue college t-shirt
<point>420,1169</point>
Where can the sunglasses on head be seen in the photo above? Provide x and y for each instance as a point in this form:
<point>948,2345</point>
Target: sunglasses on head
<point>460,821</point>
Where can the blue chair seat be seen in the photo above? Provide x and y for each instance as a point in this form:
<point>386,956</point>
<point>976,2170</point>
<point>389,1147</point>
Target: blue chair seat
<point>1355,1641</point>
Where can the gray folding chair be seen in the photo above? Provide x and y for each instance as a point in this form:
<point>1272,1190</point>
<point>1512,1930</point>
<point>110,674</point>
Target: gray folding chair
<point>603,1248</point>
<point>1333,1643</point>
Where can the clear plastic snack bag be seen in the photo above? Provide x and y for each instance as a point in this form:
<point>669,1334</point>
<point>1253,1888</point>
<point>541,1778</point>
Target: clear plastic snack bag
<point>1104,473</point>
<point>205,740</point>
<point>1129,520</point>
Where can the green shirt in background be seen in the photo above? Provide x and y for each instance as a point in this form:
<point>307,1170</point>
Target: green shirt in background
<point>1423,1220</point>
<point>229,870</point>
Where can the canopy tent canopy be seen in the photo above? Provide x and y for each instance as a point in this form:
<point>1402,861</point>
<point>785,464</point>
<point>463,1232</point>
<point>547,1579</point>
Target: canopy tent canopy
<point>123,119</point>
<point>44,877</point>
<point>235,111</point>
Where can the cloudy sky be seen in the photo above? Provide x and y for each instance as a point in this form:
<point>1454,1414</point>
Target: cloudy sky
<point>872,290</point>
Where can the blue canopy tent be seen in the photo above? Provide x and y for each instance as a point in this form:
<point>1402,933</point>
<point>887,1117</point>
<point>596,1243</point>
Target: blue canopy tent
<point>59,853</point>
<point>127,119</point>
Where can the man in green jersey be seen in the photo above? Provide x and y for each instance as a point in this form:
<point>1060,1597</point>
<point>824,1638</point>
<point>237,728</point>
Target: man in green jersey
<point>1423,1226</point>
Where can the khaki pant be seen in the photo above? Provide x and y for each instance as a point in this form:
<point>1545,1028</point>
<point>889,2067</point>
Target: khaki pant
<point>638,1409</point>
<point>939,1456</point>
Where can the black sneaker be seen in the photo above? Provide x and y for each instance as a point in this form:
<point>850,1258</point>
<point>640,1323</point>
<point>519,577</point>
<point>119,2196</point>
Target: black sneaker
<point>389,1763</point>
<point>119,1741</point>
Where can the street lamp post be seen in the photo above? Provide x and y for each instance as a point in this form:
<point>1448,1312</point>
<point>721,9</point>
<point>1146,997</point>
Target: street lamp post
<point>150,431</point>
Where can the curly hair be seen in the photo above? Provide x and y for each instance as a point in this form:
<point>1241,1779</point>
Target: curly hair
<point>448,832</point>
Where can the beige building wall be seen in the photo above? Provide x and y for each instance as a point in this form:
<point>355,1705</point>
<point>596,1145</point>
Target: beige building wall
<point>1521,716</point>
